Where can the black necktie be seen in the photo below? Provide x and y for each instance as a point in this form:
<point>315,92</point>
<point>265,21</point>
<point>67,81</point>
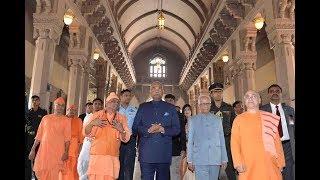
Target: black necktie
<point>280,124</point>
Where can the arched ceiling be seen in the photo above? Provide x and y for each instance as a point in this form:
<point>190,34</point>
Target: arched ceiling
<point>183,20</point>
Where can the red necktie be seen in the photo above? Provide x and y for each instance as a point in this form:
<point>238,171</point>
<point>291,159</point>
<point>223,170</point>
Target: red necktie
<point>280,124</point>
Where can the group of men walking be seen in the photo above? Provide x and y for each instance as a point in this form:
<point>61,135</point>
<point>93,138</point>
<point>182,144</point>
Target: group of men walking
<point>255,144</point>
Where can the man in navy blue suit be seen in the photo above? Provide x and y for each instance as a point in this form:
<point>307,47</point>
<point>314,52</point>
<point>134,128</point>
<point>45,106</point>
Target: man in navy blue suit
<point>156,122</point>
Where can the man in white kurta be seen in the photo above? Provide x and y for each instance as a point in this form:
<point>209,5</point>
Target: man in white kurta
<point>83,160</point>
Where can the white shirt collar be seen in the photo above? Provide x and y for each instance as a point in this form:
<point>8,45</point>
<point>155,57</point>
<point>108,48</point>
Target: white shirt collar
<point>274,105</point>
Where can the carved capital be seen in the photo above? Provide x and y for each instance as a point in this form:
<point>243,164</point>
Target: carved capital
<point>286,9</point>
<point>44,6</point>
<point>248,37</point>
<point>247,60</point>
<point>76,62</point>
<point>78,54</point>
<point>47,26</point>
<point>86,69</point>
<point>280,31</point>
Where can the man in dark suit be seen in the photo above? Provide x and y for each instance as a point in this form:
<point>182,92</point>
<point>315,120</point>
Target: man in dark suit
<point>285,128</point>
<point>156,122</point>
<point>89,109</point>
<point>33,119</point>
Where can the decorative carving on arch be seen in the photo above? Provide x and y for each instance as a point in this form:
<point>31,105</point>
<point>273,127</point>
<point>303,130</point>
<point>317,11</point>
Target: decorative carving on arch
<point>286,9</point>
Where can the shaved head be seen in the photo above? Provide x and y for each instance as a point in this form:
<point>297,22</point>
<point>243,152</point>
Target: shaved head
<point>252,100</point>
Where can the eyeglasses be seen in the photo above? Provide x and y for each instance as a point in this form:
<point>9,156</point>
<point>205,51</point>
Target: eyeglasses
<point>251,96</point>
<point>208,104</point>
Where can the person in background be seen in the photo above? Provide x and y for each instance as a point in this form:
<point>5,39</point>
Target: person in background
<point>84,156</point>
<point>89,109</point>
<point>185,173</point>
<point>238,107</point>
<point>33,119</point>
<point>127,150</point>
<point>177,142</point>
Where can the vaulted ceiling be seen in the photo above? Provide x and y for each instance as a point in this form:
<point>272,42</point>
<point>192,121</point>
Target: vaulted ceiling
<point>183,21</point>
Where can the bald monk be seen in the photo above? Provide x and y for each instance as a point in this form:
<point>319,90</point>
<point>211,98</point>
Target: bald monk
<point>255,143</point>
<point>54,135</point>
<point>107,128</point>
<point>70,172</point>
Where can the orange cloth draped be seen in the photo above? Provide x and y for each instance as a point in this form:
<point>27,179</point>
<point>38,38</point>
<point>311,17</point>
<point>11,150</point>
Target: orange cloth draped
<point>104,153</point>
<point>261,154</point>
<point>70,172</point>
<point>53,132</point>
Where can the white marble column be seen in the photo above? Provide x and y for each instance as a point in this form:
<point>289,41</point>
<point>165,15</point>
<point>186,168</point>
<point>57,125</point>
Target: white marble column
<point>47,30</point>
<point>281,36</point>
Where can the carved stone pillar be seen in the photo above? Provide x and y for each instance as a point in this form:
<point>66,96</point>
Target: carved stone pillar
<point>217,68</point>
<point>204,85</point>
<point>238,84</point>
<point>119,88</point>
<point>78,57</point>
<point>84,89</point>
<point>281,36</point>
<point>47,30</point>
<point>76,70</point>
<point>114,82</point>
<point>196,95</point>
<point>247,58</point>
<point>101,89</point>
<point>247,63</point>
<point>101,78</point>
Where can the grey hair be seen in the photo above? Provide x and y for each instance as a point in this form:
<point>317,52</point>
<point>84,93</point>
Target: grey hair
<point>157,83</point>
<point>203,96</point>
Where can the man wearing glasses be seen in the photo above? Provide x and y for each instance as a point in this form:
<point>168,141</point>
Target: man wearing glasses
<point>224,110</point>
<point>206,145</point>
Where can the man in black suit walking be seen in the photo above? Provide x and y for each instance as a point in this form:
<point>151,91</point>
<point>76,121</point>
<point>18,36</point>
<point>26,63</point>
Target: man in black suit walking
<point>285,128</point>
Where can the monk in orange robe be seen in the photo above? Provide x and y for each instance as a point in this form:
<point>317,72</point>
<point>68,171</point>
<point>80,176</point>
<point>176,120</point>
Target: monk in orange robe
<point>54,136</point>
<point>255,143</point>
<point>107,128</point>
<point>70,172</point>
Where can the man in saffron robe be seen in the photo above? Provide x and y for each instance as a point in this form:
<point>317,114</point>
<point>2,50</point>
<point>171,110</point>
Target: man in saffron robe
<point>255,143</point>
<point>70,172</point>
<point>53,135</point>
<point>107,129</point>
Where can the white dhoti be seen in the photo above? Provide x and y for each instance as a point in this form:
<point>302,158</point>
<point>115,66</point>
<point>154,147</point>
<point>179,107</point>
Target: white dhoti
<point>83,159</point>
<point>84,156</point>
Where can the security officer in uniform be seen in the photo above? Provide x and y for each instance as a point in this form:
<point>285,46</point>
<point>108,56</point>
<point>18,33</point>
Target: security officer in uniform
<point>33,119</point>
<point>128,149</point>
<point>224,110</point>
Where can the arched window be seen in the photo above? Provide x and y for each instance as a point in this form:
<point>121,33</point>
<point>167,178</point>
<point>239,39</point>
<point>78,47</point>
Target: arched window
<point>158,67</point>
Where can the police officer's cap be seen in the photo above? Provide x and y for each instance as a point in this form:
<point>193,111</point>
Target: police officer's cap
<point>216,86</point>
